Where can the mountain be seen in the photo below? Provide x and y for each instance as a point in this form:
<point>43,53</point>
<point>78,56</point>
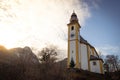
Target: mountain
<point>17,55</point>
<point>25,55</point>
<point>18,64</point>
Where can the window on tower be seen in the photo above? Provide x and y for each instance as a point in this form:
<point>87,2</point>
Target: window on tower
<point>72,28</point>
<point>72,51</point>
<point>94,63</point>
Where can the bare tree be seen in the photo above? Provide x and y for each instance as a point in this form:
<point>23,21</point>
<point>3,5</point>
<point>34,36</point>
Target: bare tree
<point>100,54</point>
<point>48,54</point>
<point>113,62</point>
<point>49,68</point>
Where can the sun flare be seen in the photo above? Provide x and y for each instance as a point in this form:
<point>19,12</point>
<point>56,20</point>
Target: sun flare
<point>37,22</point>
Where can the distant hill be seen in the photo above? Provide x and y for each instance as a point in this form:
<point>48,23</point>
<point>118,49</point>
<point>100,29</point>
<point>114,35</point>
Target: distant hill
<point>18,64</point>
<point>18,55</point>
<point>26,55</point>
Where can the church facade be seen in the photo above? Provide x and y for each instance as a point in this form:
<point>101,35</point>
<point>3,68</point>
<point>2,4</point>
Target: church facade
<point>80,51</point>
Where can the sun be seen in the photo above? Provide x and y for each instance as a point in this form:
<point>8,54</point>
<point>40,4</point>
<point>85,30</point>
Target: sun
<point>8,37</point>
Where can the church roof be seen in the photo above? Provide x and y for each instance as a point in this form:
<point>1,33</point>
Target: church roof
<point>82,40</point>
<point>92,57</point>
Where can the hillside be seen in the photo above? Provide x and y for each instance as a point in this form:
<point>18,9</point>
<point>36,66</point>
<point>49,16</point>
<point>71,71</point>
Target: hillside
<point>77,74</point>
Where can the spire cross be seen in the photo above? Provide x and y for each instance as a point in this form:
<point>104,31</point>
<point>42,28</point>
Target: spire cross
<point>73,11</point>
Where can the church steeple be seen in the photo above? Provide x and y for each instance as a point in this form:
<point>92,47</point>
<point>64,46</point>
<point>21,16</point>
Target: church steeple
<point>73,17</point>
<point>73,41</point>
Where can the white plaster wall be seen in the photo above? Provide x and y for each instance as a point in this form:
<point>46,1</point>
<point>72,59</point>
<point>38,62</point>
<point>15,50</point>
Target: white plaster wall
<point>95,54</point>
<point>73,51</point>
<point>84,58</point>
<point>95,68</point>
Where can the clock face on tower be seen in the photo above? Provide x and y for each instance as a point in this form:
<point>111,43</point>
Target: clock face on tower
<point>72,35</point>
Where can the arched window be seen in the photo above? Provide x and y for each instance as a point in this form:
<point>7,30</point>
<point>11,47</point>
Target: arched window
<point>72,28</point>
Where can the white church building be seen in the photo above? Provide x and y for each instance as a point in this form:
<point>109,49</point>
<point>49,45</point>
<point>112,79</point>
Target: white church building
<point>80,51</point>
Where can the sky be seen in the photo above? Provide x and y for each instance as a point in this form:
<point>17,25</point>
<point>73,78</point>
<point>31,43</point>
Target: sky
<point>39,23</point>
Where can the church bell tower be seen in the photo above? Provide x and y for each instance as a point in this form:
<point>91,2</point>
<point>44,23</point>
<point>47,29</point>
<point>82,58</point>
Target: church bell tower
<point>74,41</point>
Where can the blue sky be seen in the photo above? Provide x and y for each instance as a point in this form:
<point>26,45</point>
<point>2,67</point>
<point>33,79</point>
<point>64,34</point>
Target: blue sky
<point>102,28</point>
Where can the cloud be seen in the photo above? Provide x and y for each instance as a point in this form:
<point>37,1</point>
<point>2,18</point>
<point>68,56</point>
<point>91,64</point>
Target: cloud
<point>93,4</point>
<point>36,23</point>
<point>109,49</point>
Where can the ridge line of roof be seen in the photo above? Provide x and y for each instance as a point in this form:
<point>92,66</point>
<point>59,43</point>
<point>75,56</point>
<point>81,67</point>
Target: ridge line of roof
<point>82,40</point>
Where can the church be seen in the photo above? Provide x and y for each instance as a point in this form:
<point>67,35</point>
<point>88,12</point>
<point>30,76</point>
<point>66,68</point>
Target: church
<point>80,51</point>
